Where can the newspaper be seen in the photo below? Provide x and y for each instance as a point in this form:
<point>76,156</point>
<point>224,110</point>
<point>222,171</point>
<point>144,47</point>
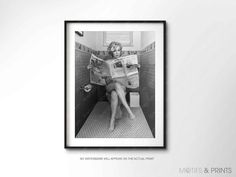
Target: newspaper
<point>121,69</point>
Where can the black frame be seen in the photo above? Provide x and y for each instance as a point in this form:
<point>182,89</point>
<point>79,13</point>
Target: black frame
<point>164,82</point>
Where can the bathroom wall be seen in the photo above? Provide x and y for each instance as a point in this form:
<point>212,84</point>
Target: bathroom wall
<point>84,102</point>
<point>147,84</point>
<point>89,39</point>
<point>136,42</point>
<point>147,37</point>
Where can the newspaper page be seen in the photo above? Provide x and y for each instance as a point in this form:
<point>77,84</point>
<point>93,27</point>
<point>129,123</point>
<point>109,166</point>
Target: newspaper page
<point>124,71</point>
<point>121,69</point>
<point>100,69</point>
<point>123,66</point>
<point>131,71</point>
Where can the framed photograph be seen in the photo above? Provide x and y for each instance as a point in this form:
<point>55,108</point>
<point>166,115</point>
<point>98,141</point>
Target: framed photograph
<point>115,77</point>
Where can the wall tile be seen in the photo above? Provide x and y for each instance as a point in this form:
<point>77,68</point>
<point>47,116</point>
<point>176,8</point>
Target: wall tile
<point>147,84</point>
<point>84,102</point>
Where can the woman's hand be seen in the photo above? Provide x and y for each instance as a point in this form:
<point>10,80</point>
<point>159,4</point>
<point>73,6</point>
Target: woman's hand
<point>132,65</point>
<point>137,65</point>
<point>89,66</point>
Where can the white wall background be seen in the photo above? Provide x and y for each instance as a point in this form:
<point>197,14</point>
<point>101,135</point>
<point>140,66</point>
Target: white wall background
<point>201,87</point>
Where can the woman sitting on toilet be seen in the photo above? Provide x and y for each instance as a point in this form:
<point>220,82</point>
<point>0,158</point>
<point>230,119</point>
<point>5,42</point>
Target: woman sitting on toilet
<point>115,90</point>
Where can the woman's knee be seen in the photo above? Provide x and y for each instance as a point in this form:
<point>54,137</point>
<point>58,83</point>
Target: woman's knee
<point>118,86</point>
<point>114,96</point>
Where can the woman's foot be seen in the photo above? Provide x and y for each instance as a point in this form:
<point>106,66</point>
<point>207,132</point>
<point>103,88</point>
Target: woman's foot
<point>112,125</point>
<point>132,116</point>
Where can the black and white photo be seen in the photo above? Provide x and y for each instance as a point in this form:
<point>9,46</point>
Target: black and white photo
<point>115,84</point>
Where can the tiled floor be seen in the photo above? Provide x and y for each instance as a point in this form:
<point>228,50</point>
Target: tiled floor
<point>97,124</point>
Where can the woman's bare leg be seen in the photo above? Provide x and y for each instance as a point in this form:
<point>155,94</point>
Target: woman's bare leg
<point>114,103</point>
<point>118,110</point>
<point>121,94</point>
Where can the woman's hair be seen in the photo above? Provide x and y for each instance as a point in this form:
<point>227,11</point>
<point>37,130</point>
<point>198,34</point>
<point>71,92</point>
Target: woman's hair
<point>112,46</point>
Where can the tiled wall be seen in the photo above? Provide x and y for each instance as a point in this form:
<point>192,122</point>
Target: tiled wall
<point>147,84</point>
<point>84,102</point>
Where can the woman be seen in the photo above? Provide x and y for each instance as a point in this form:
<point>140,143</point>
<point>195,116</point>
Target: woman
<point>116,91</point>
